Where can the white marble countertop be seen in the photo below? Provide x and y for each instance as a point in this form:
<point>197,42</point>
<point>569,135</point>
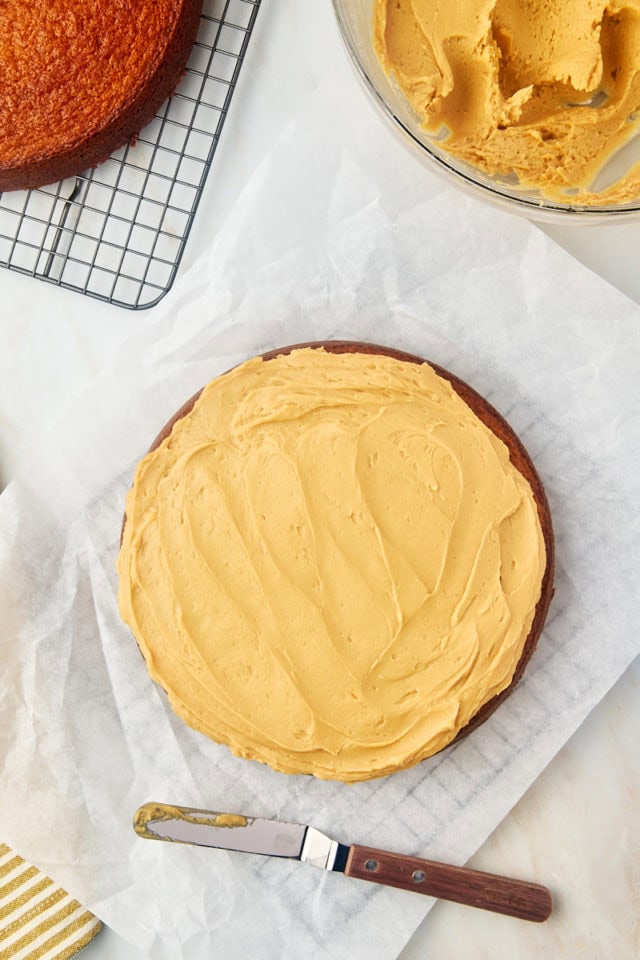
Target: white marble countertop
<point>578,827</point>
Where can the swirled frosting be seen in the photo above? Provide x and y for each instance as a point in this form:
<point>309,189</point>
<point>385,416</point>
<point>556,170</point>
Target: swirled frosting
<point>331,563</point>
<point>548,90</point>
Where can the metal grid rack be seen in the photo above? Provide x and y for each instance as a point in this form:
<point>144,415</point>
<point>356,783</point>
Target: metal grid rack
<point>118,232</point>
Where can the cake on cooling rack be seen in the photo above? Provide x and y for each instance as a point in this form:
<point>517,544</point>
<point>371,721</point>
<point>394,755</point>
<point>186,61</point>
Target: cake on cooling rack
<point>336,559</point>
<point>80,78</point>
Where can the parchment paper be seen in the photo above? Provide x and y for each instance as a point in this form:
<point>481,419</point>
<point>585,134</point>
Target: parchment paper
<point>338,234</point>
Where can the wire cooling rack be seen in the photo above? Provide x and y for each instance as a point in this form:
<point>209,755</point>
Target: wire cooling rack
<point>118,232</point>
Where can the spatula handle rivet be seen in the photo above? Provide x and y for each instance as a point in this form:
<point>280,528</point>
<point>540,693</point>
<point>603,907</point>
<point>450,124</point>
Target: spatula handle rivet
<point>371,864</point>
<point>418,876</point>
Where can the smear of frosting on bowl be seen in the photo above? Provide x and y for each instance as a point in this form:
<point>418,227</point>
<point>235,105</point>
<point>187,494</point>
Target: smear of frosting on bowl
<point>548,90</point>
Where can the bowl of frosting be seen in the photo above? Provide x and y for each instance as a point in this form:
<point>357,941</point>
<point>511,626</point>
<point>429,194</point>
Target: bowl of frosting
<point>534,104</point>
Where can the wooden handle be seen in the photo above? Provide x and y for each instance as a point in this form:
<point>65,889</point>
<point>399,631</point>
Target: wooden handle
<point>516,898</point>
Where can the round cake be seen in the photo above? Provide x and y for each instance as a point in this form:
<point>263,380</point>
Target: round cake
<point>79,78</point>
<point>336,559</point>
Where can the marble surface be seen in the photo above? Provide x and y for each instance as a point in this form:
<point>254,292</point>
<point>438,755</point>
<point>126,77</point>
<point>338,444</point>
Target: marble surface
<point>577,828</point>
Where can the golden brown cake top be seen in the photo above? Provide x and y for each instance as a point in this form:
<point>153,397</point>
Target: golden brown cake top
<point>67,67</point>
<point>331,564</point>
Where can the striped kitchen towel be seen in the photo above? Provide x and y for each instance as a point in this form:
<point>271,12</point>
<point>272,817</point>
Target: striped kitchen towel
<point>38,919</point>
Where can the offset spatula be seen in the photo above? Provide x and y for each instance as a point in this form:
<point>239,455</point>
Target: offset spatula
<point>294,841</point>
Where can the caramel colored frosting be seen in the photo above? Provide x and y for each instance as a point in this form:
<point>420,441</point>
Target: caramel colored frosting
<point>331,563</point>
<point>150,814</point>
<point>544,89</point>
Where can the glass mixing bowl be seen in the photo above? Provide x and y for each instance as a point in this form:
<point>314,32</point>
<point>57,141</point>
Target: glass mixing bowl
<point>355,21</point>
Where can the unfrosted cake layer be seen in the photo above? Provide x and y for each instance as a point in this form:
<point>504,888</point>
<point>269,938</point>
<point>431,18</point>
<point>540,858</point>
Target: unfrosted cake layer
<point>80,78</point>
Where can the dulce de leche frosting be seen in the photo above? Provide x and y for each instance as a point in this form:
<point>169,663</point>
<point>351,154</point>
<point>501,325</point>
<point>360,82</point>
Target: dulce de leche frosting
<point>548,90</point>
<point>331,563</point>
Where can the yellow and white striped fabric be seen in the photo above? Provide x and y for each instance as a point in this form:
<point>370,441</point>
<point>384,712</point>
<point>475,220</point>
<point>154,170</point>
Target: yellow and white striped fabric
<point>38,919</point>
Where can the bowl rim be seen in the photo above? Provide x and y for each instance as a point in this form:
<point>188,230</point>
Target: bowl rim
<point>540,209</point>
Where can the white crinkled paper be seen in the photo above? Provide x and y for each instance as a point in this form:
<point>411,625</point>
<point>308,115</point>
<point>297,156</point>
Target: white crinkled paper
<point>338,234</point>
